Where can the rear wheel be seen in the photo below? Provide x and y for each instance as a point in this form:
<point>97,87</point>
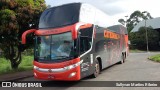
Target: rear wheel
<point>97,69</point>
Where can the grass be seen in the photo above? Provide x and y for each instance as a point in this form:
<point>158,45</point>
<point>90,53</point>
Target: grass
<point>155,58</point>
<point>135,51</point>
<point>26,64</point>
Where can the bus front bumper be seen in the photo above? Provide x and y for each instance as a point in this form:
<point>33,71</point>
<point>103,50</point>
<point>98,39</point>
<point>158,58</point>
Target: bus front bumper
<point>69,75</point>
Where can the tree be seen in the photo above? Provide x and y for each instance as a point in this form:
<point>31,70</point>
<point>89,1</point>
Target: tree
<point>135,18</point>
<point>121,21</point>
<point>16,16</point>
<point>138,39</point>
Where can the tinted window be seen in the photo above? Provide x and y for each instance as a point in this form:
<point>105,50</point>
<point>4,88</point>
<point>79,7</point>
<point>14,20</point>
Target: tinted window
<point>60,16</point>
<point>85,44</point>
<point>85,39</point>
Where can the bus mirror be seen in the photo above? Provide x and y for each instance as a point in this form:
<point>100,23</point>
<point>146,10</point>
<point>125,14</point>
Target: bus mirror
<point>24,35</point>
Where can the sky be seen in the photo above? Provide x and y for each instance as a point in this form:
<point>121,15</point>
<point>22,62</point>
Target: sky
<point>117,8</point>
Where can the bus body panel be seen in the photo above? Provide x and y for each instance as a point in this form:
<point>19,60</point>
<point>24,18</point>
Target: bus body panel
<point>109,49</point>
<point>93,39</point>
<point>46,70</point>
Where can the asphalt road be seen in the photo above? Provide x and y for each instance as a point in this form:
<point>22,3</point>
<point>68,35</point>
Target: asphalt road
<point>136,68</point>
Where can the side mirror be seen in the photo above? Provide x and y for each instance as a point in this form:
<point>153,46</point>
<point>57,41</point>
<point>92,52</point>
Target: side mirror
<point>24,35</point>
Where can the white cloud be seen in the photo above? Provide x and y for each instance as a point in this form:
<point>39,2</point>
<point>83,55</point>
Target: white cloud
<point>105,5</point>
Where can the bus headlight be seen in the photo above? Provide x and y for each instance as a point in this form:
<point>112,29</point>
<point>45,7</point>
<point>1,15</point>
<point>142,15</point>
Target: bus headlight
<point>72,74</point>
<point>35,67</point>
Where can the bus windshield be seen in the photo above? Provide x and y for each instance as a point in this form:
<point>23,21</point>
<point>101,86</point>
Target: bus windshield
<point>57,47</point>
<point>60,16</point>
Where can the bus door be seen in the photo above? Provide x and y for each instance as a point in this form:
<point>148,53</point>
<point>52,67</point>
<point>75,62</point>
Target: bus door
<point>85,50</point>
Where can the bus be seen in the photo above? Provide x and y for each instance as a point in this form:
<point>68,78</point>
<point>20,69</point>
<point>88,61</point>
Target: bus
<point>74,41</point>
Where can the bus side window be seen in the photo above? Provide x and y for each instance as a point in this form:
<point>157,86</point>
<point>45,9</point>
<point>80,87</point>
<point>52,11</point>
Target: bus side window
<point>85,44</point>
<point>85,39</point>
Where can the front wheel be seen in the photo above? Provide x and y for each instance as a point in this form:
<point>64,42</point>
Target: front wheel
<point>97,69</point>
<point>122,59</point>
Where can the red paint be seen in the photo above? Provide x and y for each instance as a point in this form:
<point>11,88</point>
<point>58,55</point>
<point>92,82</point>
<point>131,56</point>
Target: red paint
<point>58,75</point>
<point>56,65</point>
<point>85,26</point>
<point>70,28</point>
<point>24,35</point>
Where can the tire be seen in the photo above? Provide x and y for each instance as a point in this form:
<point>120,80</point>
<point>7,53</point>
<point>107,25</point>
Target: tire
<point>125,57</point>
<point>122,59</point>
<point>97,70</point>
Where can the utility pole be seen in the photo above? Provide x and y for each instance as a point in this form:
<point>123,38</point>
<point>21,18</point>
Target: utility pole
<point>146,32</point>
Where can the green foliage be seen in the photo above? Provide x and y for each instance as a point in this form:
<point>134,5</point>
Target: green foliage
<point>122,21</point>
<point>135,18</point>
<point>136,51</point>
<point>155,58</point>
<point>26,64</point>
<point>5,66</point>
<point>24,3</point>
<point>17,16</point>
<point>28,52</point>
<point>138,39</point>
<point>7,18</point>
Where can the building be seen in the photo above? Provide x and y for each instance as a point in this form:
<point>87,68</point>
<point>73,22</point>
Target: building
<point>154,23</point>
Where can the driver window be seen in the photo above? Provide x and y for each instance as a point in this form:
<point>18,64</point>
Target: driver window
<point>85,39</point>
<point>84,44</point>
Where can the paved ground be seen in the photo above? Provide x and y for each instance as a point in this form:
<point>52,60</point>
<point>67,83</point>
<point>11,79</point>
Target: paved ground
<point>136,68</point>
<point>16,76</point>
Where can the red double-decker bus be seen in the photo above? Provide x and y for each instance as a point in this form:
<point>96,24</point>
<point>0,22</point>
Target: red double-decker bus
<point>74,41</point>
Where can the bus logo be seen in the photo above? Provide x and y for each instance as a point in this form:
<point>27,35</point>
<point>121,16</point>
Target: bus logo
<point>49,70</point>
<point>109,34</point>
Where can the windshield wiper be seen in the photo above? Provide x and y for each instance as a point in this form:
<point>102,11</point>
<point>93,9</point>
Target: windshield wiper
<point>60,57</point>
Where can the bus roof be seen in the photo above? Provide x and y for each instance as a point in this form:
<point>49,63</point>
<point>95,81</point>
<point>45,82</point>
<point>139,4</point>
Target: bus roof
<point>118,29</point>
<point>68,14</point>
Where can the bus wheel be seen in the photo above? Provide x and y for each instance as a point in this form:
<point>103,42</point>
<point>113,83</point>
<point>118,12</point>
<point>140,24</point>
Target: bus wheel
<point>97,69</point>
<point>122,59</point>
